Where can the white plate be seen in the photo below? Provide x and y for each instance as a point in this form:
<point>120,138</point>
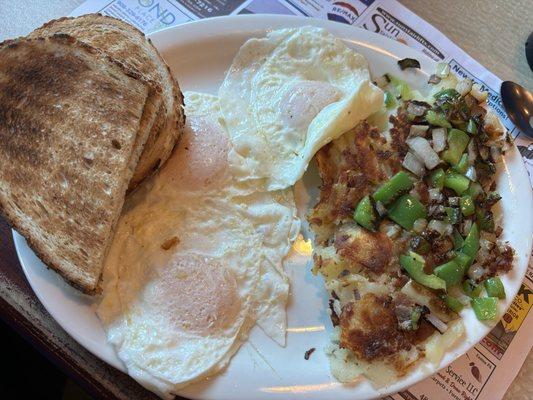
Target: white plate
<point>199,54</point>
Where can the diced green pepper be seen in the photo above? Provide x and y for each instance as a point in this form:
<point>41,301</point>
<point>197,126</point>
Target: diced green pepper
<point>446,95</point>
<point>471,128</point>
<point>452,303</point>
<point>414,265</point>
<point>463,261</point>
<point>406,210</point>
<point>401,88</point>
<point>462,165</point>
<point>394,187</point>
<point>471,244</point>
<point>405,91</point>
<point>467,205</point>
<point>474,190</point>
<point>494,287</point>
<point>471,289</point>
<point>452,215</point>
<point>485,219</point>
<point>437,119</point>
<point>450,272</point>
<point>457,182</point>
<point>457,240</point>
<point>436,178</point>
<point>485,308</point>
<point>365,214</point>
<point>390,101</point>
<point>417,257</point>
<point>453,271</point>
<point>457,143</point>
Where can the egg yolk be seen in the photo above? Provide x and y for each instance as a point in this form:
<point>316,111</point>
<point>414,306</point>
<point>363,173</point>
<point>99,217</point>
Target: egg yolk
<point>201,158</point>
<point>196,294</point>
<point>302,101</point>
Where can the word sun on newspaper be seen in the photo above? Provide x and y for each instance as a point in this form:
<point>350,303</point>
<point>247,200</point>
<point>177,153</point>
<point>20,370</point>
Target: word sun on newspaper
<point>469,377</point>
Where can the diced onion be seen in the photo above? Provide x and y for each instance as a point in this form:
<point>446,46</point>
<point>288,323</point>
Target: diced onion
<point>418,130</point>
<point>485,244</point>
<point>423,150</point>
<point>495,153</point>
<point>393,231</point>
<point>483,152</point>
<point>464,86</point>
<point>442,70</point>
<point>493,126</point>
<point>414,193</point>
<point>437,211</point>
<point>435,195</point>
<point>479,94</point>
<point>419,225</point>
<point>502,245</point>
<point>453,201</point>
<point>441,227</point>
<point>465,227</point>
<point>463,298</point>
<point>380,208</point>
<point>436,322</point>
<point>424,297</point>
<point>416,109</point>
<point>451,254</point>
<point>483,254</point>
<point>476,271</point>
<point>472,152</point>
<point>471,173</point>
<point>439,139</point>
<point>413,164</point>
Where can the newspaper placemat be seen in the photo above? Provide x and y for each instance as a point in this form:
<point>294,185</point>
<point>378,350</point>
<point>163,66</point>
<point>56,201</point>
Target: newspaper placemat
<point>503,351</point>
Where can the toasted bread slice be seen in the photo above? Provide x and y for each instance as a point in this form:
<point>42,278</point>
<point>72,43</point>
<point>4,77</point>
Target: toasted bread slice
<point>127,44</point>
<point>73,123</point>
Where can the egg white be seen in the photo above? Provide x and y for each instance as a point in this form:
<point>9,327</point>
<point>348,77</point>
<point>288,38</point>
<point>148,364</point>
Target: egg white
<point>287,95</point>
<point>196,261</point>
<point>177,315</point>
<point>274,218</point>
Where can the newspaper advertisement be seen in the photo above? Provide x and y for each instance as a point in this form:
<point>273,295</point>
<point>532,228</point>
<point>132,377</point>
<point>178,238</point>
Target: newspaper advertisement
<point>502,352</point>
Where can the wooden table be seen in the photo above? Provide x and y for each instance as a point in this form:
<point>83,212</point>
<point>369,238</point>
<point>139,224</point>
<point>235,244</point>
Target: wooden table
<point>470,24</point>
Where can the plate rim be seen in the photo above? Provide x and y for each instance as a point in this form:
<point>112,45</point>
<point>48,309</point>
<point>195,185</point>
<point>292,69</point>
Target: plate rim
<point>225,25</point>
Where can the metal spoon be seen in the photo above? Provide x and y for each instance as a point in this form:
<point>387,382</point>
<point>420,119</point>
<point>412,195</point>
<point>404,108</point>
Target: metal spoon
<point>529,50</point>
<point>518,103</point>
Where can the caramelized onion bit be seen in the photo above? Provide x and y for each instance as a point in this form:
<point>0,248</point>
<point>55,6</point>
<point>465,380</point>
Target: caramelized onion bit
<point>408,63</point>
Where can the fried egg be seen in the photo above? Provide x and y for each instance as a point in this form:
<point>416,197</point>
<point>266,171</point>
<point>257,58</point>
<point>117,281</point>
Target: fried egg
<point>196,261</point>
<point>287,95</point>
<point>273,213</point>
<point>178,313</point>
